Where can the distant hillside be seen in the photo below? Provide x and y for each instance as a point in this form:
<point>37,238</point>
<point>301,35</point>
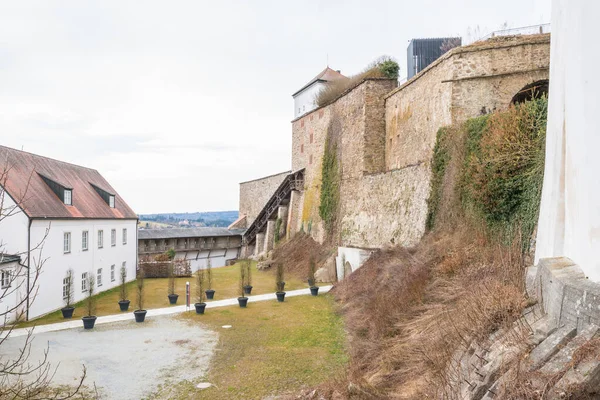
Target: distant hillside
<point>211,218</point>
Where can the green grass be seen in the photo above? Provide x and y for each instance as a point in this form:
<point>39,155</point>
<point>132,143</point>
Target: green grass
<point>272,348</point>
<point>225,283</point>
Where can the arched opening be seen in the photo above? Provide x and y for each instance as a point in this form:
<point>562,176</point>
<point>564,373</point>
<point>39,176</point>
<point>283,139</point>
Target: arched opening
<point>532,91</point>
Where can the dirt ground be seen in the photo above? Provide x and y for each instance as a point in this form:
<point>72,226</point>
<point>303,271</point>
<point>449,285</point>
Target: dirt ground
<point>126,360</point>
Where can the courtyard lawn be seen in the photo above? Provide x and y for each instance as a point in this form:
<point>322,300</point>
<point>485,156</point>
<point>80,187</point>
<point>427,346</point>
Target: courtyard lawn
<point>272,348</point>
<point>225,283</point>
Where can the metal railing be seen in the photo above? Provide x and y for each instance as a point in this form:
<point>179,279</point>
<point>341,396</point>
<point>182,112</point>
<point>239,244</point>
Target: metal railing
<point>525,30</point>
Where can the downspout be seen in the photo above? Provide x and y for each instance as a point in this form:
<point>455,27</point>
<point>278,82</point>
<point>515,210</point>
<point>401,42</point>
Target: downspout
<point>137,247</point>
<point>28,265</point>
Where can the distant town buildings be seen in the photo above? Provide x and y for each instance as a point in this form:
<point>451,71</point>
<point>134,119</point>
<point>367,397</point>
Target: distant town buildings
<point>305,98</point>
<point>59,216</point>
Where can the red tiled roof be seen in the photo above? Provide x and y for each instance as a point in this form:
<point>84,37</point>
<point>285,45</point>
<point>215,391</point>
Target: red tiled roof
<point>327,75</point>
<point>25,185</point>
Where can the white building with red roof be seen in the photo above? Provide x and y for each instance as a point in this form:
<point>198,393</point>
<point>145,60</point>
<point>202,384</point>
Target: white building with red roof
<point>58,216</point>
<point>305,99</point>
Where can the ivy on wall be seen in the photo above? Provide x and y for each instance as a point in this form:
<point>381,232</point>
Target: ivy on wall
<point>500,180</point>
<point>330,184</point>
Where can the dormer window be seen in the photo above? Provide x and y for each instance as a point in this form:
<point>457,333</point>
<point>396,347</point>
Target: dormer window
<point>109,198</point>
<point>67,197</point>
<point>62,191</point>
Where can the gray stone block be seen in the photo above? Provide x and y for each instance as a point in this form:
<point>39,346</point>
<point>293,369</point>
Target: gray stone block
<point>565,355</point>
<point>550,346</point>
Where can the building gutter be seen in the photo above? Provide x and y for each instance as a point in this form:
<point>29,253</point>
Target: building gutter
<point>28,267</point>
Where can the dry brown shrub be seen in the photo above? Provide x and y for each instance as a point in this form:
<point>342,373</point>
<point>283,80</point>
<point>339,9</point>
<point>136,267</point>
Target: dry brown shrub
<point>336,88</point>
<point>295,254</point>
<point>408,311</point>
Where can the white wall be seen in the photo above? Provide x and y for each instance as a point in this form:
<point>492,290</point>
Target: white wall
<point>569,223</point>
<point>56,262</point>
<point>13,229</point>
<point>11,296</point>
<point>198,260</point>
<point>305,101</point>
<point>354,256</point>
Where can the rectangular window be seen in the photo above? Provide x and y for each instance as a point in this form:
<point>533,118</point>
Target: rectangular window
<point>5,278</point>
<point>301,149</point>
<point>68,200</point>
<point>67,242</point>
<point>111,201</point>
<point>84,240</point>
<point>113,237</point>
<point>65,287</point>
<point>124,235</point>
<point>100,239</point>
<point>84,282</point>
<point>112,273</point>
<point>99,278</point>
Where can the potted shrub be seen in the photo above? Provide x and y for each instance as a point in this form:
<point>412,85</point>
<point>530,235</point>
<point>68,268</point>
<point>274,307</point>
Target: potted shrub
<point>210,293</point>
<point>314,289</point>
<point>200,304</point>
<point>68,292</point>
<point>90,303</point>
<point>140,313</point>
<point>248,286</point>
<point>242,300</point>
<point>279,283</point>
<point>172,296</point>
<point>123,303</point>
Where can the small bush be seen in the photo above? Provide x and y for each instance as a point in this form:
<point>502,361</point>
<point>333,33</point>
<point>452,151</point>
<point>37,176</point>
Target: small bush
<point>242,279</point>
<point>140,290</point>
<point>90,300</point>
<point>171,276</point>
<point>123,284</point>
<point>200,295</point>
<point>69,288</point>
<point>209,275</point>
<point>384,67</point>
<point>279,278</point>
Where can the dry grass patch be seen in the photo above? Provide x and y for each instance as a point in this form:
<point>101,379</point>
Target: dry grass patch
<point>272,348</point>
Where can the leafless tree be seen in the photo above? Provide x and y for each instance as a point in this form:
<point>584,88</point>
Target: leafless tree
<point>19,377</point>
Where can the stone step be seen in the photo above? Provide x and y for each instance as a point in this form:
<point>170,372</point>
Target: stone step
<point>586,374</point>
<point>561,359</point>
<point>550,346</point>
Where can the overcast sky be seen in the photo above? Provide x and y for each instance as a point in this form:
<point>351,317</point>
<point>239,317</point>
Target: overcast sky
<point>176,102</point>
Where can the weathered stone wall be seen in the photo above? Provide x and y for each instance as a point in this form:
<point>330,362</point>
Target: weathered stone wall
<point>386,208</point>
<point>464,83</point>
<point>386,136</point>
<point>255,193</point>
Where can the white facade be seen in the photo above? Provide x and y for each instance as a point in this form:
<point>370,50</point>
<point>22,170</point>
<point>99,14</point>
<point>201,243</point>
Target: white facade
<point>46,238</point>
<point>352,256</point>
<point>306,100</point>
<point>198,259</point>
<point>569,223</point>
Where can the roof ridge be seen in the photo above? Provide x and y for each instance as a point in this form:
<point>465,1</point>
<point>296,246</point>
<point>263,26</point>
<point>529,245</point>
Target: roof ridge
<point>48,158</point>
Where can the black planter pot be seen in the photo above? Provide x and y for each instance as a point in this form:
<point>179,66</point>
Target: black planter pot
<point>124,305</point>
<point>140,315</point>
<point>314,290</point>
<point>67,312</point>
<point>88,322</point>
<point>311,282</point>
<point>280,296</point>
<point>210,294</point>
<point>173,298</point>
<point>243,301</point>
<point>247,289</point>
<point>200,307</point>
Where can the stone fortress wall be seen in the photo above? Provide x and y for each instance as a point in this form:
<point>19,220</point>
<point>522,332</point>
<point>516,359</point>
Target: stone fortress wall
<point>255,193</point>
<point>386,134</point>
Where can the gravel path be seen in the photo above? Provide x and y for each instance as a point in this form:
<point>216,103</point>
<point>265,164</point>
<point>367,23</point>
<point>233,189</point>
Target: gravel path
<point>126,360</point>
